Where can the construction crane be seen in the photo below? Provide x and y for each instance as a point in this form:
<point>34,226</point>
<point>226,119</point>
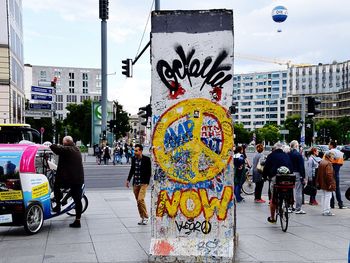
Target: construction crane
<point>288,63</point>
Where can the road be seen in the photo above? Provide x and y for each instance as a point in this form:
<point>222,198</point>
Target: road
<point>109,176</point>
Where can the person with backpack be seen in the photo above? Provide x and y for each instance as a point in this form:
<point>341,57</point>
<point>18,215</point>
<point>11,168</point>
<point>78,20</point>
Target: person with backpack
<point>311,169</point>
<point>106,154</point>
<point>257,174</point>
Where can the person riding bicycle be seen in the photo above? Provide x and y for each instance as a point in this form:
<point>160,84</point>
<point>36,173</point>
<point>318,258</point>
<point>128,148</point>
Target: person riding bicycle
<point>70,174</point>
<point>276,159</point>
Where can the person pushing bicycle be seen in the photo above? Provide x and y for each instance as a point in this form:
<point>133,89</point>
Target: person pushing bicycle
<point>276,159</point>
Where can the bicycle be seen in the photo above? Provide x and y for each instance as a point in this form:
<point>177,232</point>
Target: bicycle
<point>283,194</point>
<point>248,186</point>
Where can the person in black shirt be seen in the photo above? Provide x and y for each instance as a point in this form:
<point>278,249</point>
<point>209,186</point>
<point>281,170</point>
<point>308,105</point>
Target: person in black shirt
<point>141,172</point>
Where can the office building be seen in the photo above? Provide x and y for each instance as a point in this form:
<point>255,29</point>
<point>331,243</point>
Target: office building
<point>11,62</point>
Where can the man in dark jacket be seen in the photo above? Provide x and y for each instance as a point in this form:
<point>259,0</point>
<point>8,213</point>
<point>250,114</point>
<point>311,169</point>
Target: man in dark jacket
<point>141,171</point>
<point>70,174</point>
<point>299,170</point>
<point>276,159</point>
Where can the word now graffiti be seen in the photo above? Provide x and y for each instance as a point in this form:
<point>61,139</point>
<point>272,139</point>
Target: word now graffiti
<point>191,226</point>
<point>199,203</point>
<point>212,73</point>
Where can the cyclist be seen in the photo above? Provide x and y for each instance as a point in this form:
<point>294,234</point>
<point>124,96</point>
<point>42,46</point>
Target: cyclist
<point>276,159</point>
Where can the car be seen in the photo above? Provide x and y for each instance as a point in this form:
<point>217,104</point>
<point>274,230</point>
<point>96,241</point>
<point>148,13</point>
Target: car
<point>346,151</point>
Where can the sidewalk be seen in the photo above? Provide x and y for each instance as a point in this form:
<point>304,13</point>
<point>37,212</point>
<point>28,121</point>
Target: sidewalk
<point>110,233</point>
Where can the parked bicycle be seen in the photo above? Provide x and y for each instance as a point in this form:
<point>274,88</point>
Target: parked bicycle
<point>248,187</point>
<point>283,195</point>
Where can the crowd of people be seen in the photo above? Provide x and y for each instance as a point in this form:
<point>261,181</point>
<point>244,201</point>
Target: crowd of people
<point>104,153</point>
<point>321,175</point>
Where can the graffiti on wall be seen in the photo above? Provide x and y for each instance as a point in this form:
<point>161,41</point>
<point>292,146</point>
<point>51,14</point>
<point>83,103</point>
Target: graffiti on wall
<point>213,72</point>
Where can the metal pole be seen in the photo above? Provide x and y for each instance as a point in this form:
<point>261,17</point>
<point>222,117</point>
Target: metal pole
<point>157,5</point>
<point>302,134</point>
<point>104,75</point>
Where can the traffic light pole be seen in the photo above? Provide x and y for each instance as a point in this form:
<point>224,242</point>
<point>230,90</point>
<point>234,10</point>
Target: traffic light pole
<point>302,133</point>
<point>104,77</point>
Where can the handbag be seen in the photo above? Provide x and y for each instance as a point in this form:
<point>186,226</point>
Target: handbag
<point>310,190</point>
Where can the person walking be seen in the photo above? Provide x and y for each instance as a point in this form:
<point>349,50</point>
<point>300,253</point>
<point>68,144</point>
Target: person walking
<point>276,159</point>
<point>326,182</point>
<point>140,171</point>
<point>311,170</point>
<point>337,162</point>
<point>239,172</point>
<point>70,174</point>
<point>106,154</point>
<point>257,175</point>
<point>298,165</point>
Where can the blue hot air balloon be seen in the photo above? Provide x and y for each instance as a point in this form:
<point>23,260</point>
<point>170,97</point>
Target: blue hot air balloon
<point>279,14</point>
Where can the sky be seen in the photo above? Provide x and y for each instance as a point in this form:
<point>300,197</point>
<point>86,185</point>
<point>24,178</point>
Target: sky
<point>66,33</point>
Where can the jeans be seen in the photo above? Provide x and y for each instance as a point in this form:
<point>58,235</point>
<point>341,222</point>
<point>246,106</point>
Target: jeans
<point>336,168</point>
<point>298,191</point>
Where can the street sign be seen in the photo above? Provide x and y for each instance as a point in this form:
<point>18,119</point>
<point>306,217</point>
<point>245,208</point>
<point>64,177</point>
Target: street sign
<point>44,83</point>
<point>37,114</point>
<point>284,131</point>
<point>39,106</point>
<point>42,90</point>
<point>41,97</point>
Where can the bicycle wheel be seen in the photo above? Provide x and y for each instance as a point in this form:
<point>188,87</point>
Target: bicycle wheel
<point>85,203</point>
<point>283,213</point>
<point>248,186</point>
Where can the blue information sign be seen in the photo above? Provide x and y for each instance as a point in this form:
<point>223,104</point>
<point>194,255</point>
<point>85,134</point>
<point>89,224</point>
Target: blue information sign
<point>42,90</point>
<point>40,106</point>
<point>41,97</point>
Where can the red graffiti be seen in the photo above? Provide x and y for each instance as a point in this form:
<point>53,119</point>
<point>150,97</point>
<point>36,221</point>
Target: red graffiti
<point>163,248</point>
<point>176,91</point>
<point>216,93</point>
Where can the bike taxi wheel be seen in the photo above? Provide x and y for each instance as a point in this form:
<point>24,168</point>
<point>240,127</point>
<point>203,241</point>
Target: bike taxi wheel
<point>33,219</point>
<point>84,202</point>
<point>283,213</point>
<point>248,186</point>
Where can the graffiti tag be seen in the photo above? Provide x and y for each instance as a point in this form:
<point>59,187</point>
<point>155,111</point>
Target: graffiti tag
<point>191,226</point>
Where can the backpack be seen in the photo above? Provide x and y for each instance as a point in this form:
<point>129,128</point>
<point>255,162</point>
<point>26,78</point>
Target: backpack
<point>261,164</point>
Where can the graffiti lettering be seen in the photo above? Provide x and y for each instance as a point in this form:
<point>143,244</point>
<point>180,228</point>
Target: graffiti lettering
<point>208,247</point>
<point>184,134</point>
<point>193,202</point>
<point>188,67</point>
<point>191,226</point>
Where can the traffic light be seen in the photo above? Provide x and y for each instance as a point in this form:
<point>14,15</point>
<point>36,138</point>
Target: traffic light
<point>145,112</point>
<point>312,104</point>
<point>103,14</point>
<point>127,67</point>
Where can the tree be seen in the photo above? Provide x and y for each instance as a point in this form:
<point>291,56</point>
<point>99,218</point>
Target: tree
<point>78,121</point>
<point>269,133</point>
<point>327,130</point>
<point>292,125</point>
<point>122,125</point>
<point>343,126</point>
<point>241,134</point>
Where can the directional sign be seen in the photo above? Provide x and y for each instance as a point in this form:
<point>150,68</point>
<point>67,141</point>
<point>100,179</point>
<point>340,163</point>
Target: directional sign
<point>41,97</point>
<point>38,114</point>
<point>284,131</point>
<point>39,106</point>
<point>41,90</point>
<point>44,83</point>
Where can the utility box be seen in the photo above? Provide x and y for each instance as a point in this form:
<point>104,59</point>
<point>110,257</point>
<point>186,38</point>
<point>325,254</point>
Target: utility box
<point>193,206</point>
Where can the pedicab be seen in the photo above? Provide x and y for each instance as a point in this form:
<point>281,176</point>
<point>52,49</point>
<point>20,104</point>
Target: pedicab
<point>27,173</point>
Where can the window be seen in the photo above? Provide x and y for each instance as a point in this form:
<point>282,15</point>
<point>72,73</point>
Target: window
<point>275,75</point>
<point>42,75</point>
<point>85,76</point>
<point>71,98</point>
<point>71,75</point>
<point>71,83</point>
<point>85,91</point>
<point>275,82</point>
<point>59,98</point>
<point>85,84</point>
<point>71,90</point>
<point>59,106</point>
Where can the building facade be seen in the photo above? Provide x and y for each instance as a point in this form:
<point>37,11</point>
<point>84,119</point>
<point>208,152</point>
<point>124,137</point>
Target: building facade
<point>330,83</point>
<point>260,98</point>
<point>11,62</point>
<point>73,85</point>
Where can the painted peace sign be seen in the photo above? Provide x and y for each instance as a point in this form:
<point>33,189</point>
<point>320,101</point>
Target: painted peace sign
<point>193,140</point>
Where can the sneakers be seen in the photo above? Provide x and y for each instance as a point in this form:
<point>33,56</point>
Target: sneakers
<point>329,213</point>
<point>259,201</point>
<point>143,222</point>
<point>300,212</point>
<point>342,207</point>
<point>75,224</point>
<point>272,221</point>
<point>290,210</point>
